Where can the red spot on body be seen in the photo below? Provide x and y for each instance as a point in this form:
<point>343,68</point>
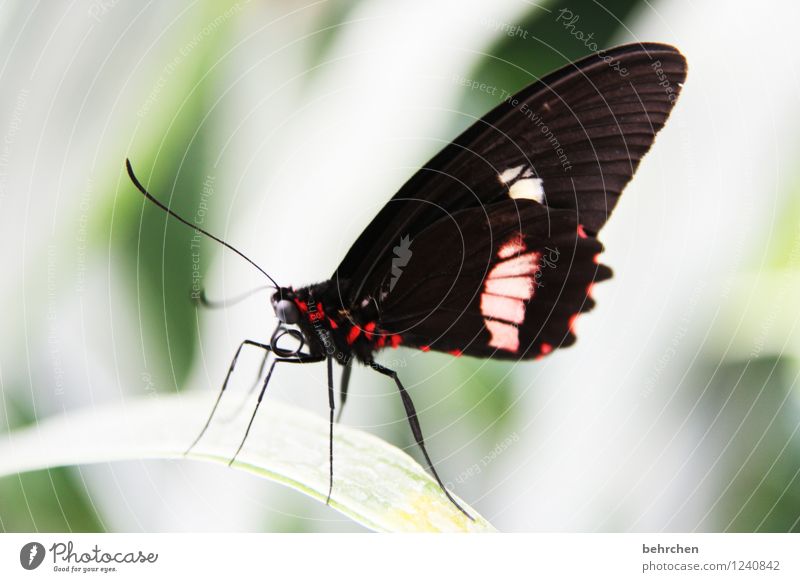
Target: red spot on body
<point>455,353</point>
<point>381,342</point>
<point>302,305</point>
<point>395,340</point>
<point>318,315</point>
<point>582,232</point>
<point>353,334</point>
<point>334,325</point>
<point>425,348</point>
<point>369,330</point>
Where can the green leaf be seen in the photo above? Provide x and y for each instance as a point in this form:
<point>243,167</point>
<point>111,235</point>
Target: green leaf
<point>375,483</point>
<point>54,500</point>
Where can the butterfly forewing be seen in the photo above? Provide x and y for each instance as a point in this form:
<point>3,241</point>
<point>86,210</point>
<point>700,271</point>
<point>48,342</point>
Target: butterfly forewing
<point>545,168</point>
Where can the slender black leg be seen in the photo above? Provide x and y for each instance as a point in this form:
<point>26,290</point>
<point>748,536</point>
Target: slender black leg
<point>330,436</point>
<point>299,359</point>
<point>261,369</point>
<point>264,347</point>
<point>411,414</point>
<point>343,387</point>
<point>256,384</point>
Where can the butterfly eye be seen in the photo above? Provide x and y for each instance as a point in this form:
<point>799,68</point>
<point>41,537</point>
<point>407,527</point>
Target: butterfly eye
<point>286,311</point>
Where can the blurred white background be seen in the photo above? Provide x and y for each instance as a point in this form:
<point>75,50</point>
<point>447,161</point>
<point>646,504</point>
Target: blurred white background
<point>677,410</point>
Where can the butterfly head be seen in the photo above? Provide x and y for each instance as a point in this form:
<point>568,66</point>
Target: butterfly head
<point>284,306</point>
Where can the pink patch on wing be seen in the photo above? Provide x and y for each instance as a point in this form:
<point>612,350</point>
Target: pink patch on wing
<point>513,246</point>
<point>504,335</point>
<point>519,287</point>
<point>526,264</point>
<point>505,308</point>
<point>582,232</point>
<point>508,286</point>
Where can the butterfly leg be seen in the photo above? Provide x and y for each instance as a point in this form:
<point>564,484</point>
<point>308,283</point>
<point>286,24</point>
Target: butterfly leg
<point>256,383</point>
<point>416,430</point>
<point>330,434</point>
<point>344,385</point>
<point>298,359</point>
<point>264,347</point>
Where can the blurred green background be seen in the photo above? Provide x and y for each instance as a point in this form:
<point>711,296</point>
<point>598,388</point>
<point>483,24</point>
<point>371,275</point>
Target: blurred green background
<point>678,410</point>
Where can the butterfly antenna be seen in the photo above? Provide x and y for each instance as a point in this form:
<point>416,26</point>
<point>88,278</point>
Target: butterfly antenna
<point>152,199</point>
<point>203,299</point>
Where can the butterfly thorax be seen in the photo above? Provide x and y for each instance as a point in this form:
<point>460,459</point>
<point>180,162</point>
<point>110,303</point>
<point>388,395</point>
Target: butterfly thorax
<point>332,326</point>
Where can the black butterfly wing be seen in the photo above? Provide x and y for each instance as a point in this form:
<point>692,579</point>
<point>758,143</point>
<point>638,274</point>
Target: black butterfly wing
<point>505,280</point>
<point>570,141</point>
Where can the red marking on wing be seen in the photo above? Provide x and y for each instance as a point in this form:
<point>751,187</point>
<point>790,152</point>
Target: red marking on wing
<point>381,341</point>
<point>572,321</point>
<point>425,348</point>
<point>353,334</point>
<point>369,330</point>
<point>333,324</point>
<point>455,353</point>
<point>302,305</point>
<point>582,232</point>
<point>546,348</point>
<point>395,340</point>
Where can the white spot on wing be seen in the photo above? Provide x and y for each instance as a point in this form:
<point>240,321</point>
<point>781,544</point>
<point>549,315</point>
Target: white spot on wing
<point>529,188</point>
<point>510,174</point>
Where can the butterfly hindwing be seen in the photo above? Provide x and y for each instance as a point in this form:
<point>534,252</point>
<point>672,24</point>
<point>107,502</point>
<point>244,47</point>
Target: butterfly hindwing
<point>504,280</point>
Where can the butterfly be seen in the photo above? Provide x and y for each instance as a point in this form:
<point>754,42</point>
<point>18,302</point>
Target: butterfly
<point>491,249</point>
